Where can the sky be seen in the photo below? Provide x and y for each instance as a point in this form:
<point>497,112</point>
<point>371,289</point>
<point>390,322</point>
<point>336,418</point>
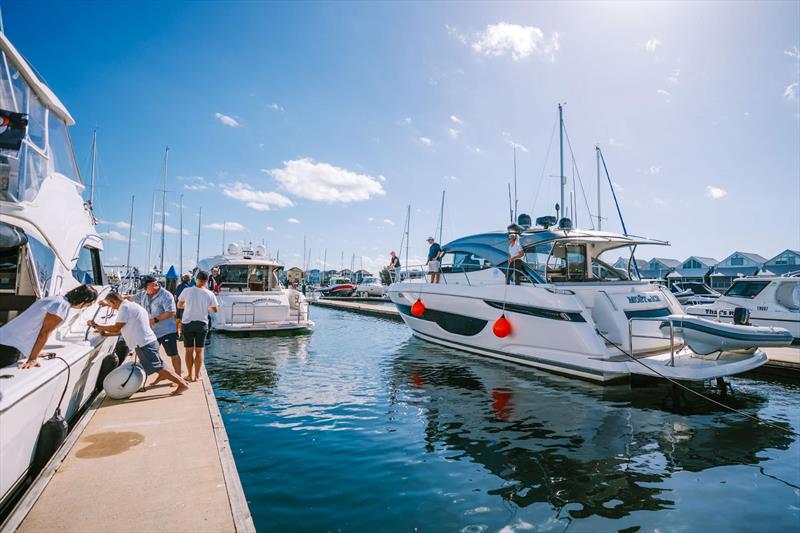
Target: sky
<point>325,121</point>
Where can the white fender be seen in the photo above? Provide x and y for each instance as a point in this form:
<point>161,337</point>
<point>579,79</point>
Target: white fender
<point>125,380</point>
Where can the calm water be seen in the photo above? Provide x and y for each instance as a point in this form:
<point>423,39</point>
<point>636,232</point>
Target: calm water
<point>360,427</point>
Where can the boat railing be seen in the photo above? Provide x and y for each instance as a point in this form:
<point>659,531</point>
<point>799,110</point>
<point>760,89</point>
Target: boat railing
<point>660,319</point>
<point>245,310</point>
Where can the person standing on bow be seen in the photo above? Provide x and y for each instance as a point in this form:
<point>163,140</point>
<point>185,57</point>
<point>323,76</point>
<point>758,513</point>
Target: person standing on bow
<point>197,302</point>
<point>394,266</point>
<point>515,255</point>
<point>160,306</point>
<point>434,263</point>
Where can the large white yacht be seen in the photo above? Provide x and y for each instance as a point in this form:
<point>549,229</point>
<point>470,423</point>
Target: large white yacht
<point>771,301</point>
<point>251,298</point>
<point>48,245</point>
<point>572,312</point>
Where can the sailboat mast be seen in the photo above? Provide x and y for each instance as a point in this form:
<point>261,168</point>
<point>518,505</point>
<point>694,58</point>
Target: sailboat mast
<point>164,207</point>
<point>224,230</point>
<point>324,266</point>
<point>597,155</point>
<point>441,218</point>
<point>94,162</point>
<point>180,239</point>
<point>513,218</point>
<point>408,232</point>
<point>130,239</point>
<point>561,152</point>
<point>150,235</point>
<point>199,222</point>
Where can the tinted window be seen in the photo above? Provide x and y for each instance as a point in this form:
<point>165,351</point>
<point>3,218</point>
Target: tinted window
<point>463,262</point>
<point>746,289</point>
<point>88,268</point>
<point>44,261</point>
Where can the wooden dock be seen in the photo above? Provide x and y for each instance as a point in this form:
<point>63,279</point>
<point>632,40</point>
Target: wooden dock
<point>153,462</point>
<point>783,362</point>
<point>373,309</point>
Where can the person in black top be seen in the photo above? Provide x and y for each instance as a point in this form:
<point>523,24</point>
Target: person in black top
<point>394,267</point>
<point>434,265</point>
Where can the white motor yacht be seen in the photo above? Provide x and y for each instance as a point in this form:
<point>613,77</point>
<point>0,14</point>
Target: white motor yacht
<point>370,286</point>
<point>571,312</point>
<point>251,298</point>
<point>771,301</point>
<point>48,245</point>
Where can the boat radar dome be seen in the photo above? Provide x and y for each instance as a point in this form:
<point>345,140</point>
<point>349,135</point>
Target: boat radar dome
<point>565,223</point>
<point>233,248</point>
<point>515,228</point>
<point>524,221</point>
<point>546,221</point>
<point>261,250</point>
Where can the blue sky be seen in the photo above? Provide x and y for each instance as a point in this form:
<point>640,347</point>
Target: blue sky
<point>337,116</point>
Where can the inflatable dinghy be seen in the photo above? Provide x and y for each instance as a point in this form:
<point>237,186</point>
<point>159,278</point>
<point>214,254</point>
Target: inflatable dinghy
<point>125,380</point>
<point>707,336</point>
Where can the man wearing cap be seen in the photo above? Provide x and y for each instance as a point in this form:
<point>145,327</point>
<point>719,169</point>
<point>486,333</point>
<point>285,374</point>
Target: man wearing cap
<point>434,265</point>
<point>515,255</point>
<point>160,306</point>
<point>394,266</point>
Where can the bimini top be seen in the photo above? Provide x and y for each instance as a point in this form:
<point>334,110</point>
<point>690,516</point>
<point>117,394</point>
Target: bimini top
<point>37,85</point>
<point>493,246</point>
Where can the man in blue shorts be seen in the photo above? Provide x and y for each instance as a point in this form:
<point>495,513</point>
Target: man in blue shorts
<point>197,302</point>
<point>134,325</point>
<point>160,306</point>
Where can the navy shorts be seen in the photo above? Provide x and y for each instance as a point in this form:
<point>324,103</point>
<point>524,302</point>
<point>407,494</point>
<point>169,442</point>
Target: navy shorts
<point>149,358</point>
<point>194,334</point>
<point>178,313</point>
<point>170,343</point>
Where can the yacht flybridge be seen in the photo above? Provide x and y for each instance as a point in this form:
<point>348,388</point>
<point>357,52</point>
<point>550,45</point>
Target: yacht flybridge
<point>48,245</point>
<point>251,298</point>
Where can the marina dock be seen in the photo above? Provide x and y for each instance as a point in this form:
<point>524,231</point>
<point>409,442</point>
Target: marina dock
<point>153,462</point>
<point>360,306</point>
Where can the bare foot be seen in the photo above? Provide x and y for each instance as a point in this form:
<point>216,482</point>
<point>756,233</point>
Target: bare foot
<point>180,390</point>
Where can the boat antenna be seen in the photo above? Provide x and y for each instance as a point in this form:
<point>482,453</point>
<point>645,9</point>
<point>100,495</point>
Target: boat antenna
<point>93,167</point>
<point>180,238</point>
<point>130,239</point>
<point>561,150</point>
<point>516,205</point>
<point>199,221</point>
<point>510,205</point>
<point>441,218</point>
<point>224,229</point>
<point>164,206</point>
<point>150,235</point>
<point>619,211</point>
<point>599,218</point>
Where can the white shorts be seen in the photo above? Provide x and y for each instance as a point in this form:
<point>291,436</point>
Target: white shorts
<point>434,266</point>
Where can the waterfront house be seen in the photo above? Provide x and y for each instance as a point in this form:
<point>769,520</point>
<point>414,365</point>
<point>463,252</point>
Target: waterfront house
<point>736,265</point>
<point>327,275</point>
<point>346,273</point>
<point>783,263</point>
<point>622,264</point>
<point>314,276</point>
<point>694,269</point>
<point>295,275</point>
<point>658,268</point>
<point>359,275</point>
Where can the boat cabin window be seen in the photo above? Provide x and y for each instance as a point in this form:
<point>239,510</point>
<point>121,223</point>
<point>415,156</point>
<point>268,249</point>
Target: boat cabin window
<point>463,262</point>
<point>44,260</point>
<point>746,289</point>
<point>9,270</point>
<point>567,262</point>
<point>254,278</point>
<point>88,268</point>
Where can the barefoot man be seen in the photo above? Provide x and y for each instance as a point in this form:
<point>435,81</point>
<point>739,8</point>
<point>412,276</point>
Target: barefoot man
<point>197,302</point>
<point>134,325</point>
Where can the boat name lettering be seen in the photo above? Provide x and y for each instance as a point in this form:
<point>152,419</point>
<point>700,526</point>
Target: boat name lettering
<point>270,301</point>
<point>642,299</point>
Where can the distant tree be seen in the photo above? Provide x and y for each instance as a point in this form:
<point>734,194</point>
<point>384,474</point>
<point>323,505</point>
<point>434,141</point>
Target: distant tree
<point>386,278</point>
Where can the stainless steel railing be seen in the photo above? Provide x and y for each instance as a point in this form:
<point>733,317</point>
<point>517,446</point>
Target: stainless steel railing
<point>631,334</point>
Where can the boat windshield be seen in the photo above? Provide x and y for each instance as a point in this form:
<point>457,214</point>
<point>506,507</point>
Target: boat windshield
<point>253,278</point>
<point>746,288</point>
<point>564,261</point>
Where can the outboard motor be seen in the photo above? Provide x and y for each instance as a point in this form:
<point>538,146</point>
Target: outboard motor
<point>524,221</point>
<point>741,316</point>
<point>51,436</point>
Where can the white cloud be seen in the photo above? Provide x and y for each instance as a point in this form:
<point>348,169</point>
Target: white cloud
<point>658,201</point>
<point>513,143</point>
<point>225,119</point>
<point>370,219</point>
<point>613,142</point>
<point>227,226</point>
<point>276,107</point>
<point>455,34</point>
<point>270,228</point>
<point>652,44</point>
<point>158,213</point>
<point>794,52</point>
<point>168,228</point>
<point>114,236</point>
<point>323,182</point>
<point>292,221</point>
<point>255,199</point>
<point>120,224</point>
<point>517,41</point>
<point>715,193</point>
<point>195,186</point>
<point>451,178</point>
<point>791,92</point>
<point>652,170</point>
<point>388,221</point>
<point>455,120</point>
<point>406,120</point>
<point>426,141</point>
<point>617,187</point>
<point>674,76</point>
<point>453,133</point>
<point>666,94</point>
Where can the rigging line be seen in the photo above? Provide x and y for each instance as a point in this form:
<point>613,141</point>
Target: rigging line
<point>580,181</point>
<point>712,400</point>
<point>544,167</point>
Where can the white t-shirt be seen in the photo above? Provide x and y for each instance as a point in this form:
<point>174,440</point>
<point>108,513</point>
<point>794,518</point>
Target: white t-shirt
<point>136,330</point>
<point>21,331</point>
<point>197,301</point>
<point>514,249</point>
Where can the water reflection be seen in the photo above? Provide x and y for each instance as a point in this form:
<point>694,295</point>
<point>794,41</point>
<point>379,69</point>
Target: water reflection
<point>579,447</point>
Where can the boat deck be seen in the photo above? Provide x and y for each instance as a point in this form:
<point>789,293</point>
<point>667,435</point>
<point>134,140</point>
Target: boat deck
<point>153,462</point>
<point>372,309</point>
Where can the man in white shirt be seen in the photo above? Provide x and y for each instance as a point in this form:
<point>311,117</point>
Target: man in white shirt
<point>133,323</point>
<point>515,253</point>
<point>196,303</point>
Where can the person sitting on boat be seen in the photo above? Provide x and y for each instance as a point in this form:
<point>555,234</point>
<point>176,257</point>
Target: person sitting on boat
<point>196,303</point>
<point>434,265</point>
<point>133,324</point>
<point>515,255</point>
<point>160,306</point>
<point>394,266</point>
<point>186,282</point>
<point>27,333</point>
